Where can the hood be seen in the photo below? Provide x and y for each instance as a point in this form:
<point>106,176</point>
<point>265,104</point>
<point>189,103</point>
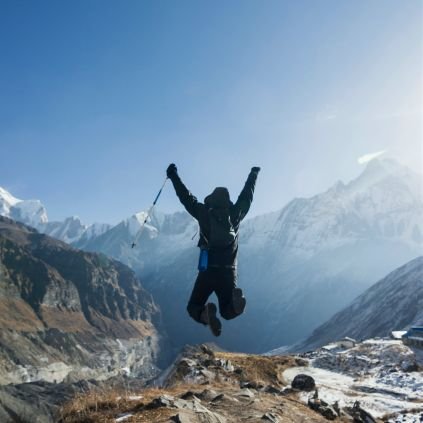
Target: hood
<point>219,198</point>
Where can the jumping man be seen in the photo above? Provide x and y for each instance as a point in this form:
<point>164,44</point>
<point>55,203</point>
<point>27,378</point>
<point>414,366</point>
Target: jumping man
<point>219,221</point>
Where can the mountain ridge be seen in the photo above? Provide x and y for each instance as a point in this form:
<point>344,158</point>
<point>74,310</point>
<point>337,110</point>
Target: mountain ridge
<point>68,314</point>
<point>297,266</point>
<point>393,303</point>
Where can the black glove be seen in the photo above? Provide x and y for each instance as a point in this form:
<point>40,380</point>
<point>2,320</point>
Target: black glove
<point>255,169</point>
<point>171,170</point>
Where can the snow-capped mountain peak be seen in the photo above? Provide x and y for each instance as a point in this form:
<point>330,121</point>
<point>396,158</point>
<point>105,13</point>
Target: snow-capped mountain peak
<point>31,212</point>
<point>70,230</point>
<point>383,202</point>
<point>7,200</point>
<point>385,171</point>
<point>136,222</point>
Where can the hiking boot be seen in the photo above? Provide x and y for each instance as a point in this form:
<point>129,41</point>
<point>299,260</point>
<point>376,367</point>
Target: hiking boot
<point>208,316</point>
<point>238,301</point>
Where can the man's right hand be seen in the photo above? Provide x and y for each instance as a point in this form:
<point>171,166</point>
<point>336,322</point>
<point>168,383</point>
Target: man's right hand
<point>171,170</point>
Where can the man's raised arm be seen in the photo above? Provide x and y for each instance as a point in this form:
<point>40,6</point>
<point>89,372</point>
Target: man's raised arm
<point>246,197</point>
<point>185,197</point>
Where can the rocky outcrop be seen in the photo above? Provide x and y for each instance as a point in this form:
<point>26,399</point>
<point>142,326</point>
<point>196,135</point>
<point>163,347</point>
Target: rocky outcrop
<point>67,315</point>
<point>38,402</point>
<point>359,414</point>
<point>323,408</point>
<point>205,386</point>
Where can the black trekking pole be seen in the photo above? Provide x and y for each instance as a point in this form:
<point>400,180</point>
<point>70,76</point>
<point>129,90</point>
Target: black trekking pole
<point>134,243</point>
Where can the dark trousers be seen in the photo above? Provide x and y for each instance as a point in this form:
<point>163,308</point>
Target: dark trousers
<point>222,281</point>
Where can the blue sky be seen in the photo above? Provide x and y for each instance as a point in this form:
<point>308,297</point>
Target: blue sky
<point>97,97</point>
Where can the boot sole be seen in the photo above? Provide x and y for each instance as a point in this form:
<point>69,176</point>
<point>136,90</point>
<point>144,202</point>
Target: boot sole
<point>213,322</point>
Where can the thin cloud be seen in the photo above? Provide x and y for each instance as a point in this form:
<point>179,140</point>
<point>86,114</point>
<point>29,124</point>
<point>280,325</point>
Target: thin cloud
<point>327,117</point>
<point>328,113</point>
<point>370,156</point>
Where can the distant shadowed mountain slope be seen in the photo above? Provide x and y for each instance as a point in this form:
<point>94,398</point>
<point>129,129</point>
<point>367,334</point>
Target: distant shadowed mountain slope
<point>393,303</point>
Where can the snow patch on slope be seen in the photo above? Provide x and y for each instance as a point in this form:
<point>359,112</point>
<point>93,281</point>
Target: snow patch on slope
<point>377,373</point>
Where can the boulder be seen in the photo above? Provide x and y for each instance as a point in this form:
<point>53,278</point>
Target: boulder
<point>245,393</point>
<point>322,408</point>
<point>409,366</point>
<point>225,364</point>
<point>207,395</point>
<point>359,414</point>
<point>303,382</point>
<point>270,418</point>
<point>162,401</point>
<point>182,418</point>
<point>189,395</point>
<point>251,385</point>
<point>328,412</point>
<point>190,409</point>
<point>219,397</point>
<point>270,389</point>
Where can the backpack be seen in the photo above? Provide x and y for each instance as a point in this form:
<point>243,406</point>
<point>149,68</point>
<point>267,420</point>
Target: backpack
<point>221,233</point>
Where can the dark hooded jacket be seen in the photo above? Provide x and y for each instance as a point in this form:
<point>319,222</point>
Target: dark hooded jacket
<point>219,198</point>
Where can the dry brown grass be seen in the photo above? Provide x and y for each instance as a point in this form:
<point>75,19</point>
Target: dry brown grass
<point>90,406</point>
<point>261,369</point>
<point>65,320</point>
<point>17,315</point>
<point>105,405</point>
<point>144,327</point>
<point>124,329</point>
<point>97,406</point>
